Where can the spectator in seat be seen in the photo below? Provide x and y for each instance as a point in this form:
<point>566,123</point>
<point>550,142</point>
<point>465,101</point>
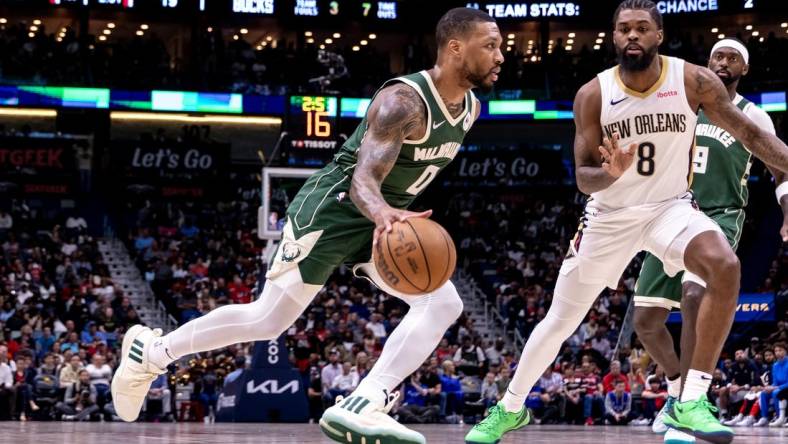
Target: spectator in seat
<point>593,398</point>
<point>654,397</point>
<point>314,394</point>
<point>615,375</point>
<point>489,392</point>
<point>452,390</point>
<point>618,405</point>
<point>345,382</point>
<point>552,384</point>
<point>573,395</point>
<point>6,386</point>
<point>69,373</point>
<point>80,399</point>
<point>776,394</point>
<point>100,376</point>
<point>494,353</point>
<point>49,367</point>
<point>740,379</point>
<point>160,392</point>
<point>45,342</point>
<point>329,373</point>
<point>431,384</point>
<point>469,358</point>
<point>24,378</point>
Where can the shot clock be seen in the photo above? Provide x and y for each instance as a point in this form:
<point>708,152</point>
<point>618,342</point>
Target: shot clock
<point>312,137</point>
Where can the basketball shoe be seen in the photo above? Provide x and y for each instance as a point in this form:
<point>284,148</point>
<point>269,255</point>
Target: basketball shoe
<point>696,418</point>
<point>673,436</point>
<point>357,420</point>
<point>659,426</point>
<point>136,373</point>
<point>498,422</point>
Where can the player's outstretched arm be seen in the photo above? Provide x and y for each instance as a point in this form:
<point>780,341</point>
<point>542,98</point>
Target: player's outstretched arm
<point>706,89</point>
<point>396,114</point>
<point>596,166</point>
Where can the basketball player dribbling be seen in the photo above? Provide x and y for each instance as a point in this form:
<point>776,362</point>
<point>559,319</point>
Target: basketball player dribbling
<point>643,111</point>
<point>412,130</point>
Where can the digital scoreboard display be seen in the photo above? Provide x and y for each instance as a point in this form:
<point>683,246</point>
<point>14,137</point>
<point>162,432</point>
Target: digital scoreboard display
<point>312,130</point>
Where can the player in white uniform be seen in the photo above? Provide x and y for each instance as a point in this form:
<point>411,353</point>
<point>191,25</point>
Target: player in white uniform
<point>643,111</point>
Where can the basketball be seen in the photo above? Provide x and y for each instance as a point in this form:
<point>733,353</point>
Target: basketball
<point>416,257</point>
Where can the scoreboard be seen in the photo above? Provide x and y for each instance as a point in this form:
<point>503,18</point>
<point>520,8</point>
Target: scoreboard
<point>312,131</point>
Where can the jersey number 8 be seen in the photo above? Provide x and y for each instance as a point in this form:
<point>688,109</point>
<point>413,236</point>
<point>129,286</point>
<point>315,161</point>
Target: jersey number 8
<point>646,153</point>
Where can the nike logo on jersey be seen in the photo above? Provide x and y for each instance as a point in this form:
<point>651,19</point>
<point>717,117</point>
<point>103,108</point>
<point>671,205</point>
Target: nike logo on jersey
<point>616,102</point>
<point>437,125</point>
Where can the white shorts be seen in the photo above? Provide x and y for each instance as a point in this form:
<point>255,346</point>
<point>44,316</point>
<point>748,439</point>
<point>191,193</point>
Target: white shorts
<point>608,239</point>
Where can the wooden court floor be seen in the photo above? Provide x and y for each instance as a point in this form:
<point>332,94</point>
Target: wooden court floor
<point>149,433</point>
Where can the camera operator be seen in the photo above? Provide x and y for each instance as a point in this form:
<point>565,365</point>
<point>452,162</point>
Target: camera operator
<point>80,400</point>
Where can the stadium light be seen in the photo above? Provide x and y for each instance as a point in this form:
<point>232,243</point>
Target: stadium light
<point>3,21</point>
<point>748,27</point>
<point>571,35</point>
<point>570,41</point>
<point>782,25</point>
<point>356,48</point>
<point>27,112</point>
<point>760,39</point>
<point>373,36</point>
<point>103,38</point>
<point>235,37</point>
<point>530,42</point>
<point>269,38</point>
<point>596,47</point>
<point>508,48</point>
<point>36,22</point>
<point>210,29</point>
<point>144,27</point>
<point>34,28</point>
<point>756,33</point>
<point>598,41</point>
<point>533,58</point>
<point>715,30</point>
<point>31,34</point>
<point>308,33</point>
<point>720,36</point>
<point>601,34</point>
<point>329,41</point>
<point>363,42</point>
<point>337,35</point>
<point>59,39</point>
<point>322,46</point>
<point>510,36</point>
<point>111,25</point>
<point>140,32</point>
<point>259,47</point>
<point>510,42</point>
<point>310,40</point>
<point>568,47</point>
<point>106,32</point>
<point>128,115</point>
<point>244,31</point>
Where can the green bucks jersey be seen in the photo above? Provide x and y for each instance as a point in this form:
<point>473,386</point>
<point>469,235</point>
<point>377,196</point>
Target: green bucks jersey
<point>419,161</point>
<point>721,164</point>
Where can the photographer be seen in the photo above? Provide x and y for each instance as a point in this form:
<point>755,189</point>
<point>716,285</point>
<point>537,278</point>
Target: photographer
<point>80,400</point>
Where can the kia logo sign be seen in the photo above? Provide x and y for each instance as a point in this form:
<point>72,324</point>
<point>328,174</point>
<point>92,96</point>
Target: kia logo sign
<point>272,387</point>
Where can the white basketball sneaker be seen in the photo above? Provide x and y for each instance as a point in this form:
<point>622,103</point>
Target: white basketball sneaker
<point>357,420</point>
<point>136,373</point>
<point>733,421</point>
<point>673,436</point>
<point>658,426</point>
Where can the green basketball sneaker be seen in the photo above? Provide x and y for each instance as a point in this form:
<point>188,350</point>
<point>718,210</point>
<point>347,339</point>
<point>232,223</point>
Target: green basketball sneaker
<point>496,424</point>
<point>696,418</point>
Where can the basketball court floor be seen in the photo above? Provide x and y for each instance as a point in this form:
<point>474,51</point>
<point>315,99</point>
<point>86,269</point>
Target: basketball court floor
<point>149,433</point>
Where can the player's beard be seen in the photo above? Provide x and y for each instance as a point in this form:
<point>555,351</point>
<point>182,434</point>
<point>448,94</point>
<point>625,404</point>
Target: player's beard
<point>479,80</point>
<point>730,79</point>
<point>636,63</point>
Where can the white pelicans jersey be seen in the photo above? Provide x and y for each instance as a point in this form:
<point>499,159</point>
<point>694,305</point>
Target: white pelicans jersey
<point>661,124</point>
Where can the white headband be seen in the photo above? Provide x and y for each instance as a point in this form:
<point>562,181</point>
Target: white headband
<point>730,43</point>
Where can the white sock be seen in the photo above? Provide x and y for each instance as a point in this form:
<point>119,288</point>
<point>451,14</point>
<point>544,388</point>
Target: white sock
<point>160,353</point>
<point>783,404</point>
<point>697,385</point>
<point>412,342</point>
<point>674,387</point>
<point>571,302</point>
<point>513,403</point>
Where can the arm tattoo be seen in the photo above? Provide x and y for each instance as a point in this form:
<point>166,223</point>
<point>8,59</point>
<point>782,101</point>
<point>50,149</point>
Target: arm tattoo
<point>396,114</point>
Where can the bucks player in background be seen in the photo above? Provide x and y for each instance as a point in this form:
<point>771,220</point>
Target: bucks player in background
<point>721,167</point>
<point>635,129</point>
<point>412,130</point>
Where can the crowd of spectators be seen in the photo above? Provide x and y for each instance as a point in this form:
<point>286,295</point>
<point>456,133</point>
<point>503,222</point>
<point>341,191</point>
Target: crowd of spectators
<point>218,62</point>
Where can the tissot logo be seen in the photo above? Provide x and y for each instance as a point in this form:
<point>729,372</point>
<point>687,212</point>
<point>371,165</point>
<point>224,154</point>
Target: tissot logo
<point>271,386</point>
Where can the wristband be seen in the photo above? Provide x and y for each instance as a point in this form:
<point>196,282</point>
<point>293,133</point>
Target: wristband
<point>781,191</point>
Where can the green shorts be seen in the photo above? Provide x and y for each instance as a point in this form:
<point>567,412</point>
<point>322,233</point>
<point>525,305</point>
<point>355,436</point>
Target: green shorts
<point>654,288</point>
<point>324,229</point>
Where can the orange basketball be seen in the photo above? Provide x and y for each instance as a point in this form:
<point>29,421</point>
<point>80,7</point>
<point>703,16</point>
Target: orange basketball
<point>416,257</point>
